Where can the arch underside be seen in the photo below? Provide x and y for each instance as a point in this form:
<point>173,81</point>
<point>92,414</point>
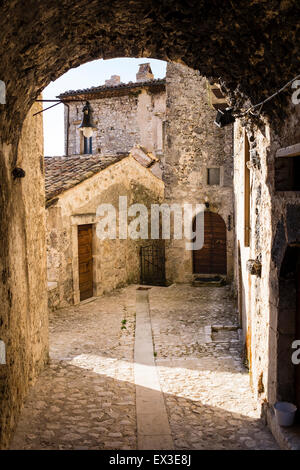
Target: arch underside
<point>47,38</point>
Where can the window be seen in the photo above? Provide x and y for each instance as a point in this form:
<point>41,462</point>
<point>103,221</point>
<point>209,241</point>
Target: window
<point>287,173</point>
<point>246,192</point>
<point>88,145</point>
<point>213,176</point>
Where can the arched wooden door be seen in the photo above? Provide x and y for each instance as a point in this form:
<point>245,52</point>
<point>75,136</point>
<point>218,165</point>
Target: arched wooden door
<point>211,259</point>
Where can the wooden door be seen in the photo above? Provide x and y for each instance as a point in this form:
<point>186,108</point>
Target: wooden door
<point>85,261</point>
<point>211,259</point>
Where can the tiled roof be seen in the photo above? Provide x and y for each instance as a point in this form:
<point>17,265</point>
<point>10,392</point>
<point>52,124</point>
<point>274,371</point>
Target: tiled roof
<point>121,86</point>
<point>62,173</point>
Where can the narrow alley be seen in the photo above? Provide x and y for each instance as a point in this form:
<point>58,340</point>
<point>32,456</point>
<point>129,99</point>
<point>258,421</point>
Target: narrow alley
<point>86,398</point>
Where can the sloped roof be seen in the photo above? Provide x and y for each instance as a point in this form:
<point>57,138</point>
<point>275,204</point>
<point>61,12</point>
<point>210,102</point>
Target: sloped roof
<point>158,82</point>
<point>62,173</point>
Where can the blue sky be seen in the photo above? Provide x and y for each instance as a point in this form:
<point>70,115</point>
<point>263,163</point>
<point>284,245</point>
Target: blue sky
<point>91,74</point>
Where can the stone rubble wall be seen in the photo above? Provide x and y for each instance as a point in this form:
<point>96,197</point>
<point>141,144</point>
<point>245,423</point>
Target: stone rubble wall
<point>275,222</point>
<point>194,143</point>
<point>122,122</point>
<point>23,291</point>
<point>116,262</point>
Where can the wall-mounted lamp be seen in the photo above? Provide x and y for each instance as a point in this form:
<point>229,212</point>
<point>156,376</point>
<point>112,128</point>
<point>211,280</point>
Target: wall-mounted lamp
<point>206,203</point>
<point>86,126</point>
<point>224,118</point>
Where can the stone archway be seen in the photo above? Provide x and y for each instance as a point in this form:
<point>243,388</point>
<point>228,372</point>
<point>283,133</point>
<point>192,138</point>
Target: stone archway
<point>44,40</point>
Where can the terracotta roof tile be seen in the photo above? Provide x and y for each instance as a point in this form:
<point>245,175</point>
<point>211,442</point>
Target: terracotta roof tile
<point>62,173</point>
<point>105,88</point>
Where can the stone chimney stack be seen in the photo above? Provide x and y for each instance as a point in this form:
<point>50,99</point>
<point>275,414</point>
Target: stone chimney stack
<point>113,81</point>
<point>144,73</point>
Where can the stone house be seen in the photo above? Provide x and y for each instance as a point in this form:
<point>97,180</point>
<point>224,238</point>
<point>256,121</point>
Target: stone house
<point>124,114</point>
<point>198,169</point>
<point>267,259</point>
<point>79,263</point>
<point>174,119</point>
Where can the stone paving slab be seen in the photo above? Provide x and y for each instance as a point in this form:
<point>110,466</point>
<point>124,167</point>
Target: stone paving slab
<point>88,399</point>
<point>85,399</point>
<point>152,418</point>
<point>205,385</point>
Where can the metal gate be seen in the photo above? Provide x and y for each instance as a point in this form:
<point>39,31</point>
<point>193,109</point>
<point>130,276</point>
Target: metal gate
<point>153,265</point>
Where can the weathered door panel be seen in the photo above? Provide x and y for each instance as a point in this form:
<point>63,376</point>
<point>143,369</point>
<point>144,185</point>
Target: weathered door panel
<point>85,261</point>
<point>212,258</point>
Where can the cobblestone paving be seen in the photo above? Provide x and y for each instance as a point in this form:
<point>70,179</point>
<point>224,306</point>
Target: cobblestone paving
<point>205,385</point>
<point>86,398</point>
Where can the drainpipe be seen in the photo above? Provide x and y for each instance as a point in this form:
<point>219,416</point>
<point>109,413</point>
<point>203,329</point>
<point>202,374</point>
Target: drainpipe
<point>68,125</point>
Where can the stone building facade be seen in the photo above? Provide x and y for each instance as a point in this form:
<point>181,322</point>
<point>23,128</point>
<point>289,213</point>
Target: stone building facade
<point>267,217</point>
<point>173,119</point>
<point>75,187</point>
<point>24,284</point>
<point>198,166</point>
<point>124,114</point>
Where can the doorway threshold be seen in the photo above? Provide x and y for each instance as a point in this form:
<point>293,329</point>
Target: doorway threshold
<point>87,301</point>
<point>216,281</point>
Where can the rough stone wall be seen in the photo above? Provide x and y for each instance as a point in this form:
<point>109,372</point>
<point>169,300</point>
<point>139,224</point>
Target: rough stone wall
<point>115,262</point>
<point>122,122</point>
<point>275,223</point>
<point>45,39</point>
<point>23,291</point>
<point>194,143</point>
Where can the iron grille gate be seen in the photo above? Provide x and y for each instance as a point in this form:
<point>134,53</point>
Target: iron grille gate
<point>153,265</point>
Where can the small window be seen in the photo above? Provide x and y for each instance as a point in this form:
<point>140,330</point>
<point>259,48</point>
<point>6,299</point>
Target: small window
<point>213,176</point>
<point>88,145</point>
<point>287,173</point>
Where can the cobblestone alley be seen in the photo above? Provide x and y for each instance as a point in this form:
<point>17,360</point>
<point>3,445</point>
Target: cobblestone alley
<point>88,397</point>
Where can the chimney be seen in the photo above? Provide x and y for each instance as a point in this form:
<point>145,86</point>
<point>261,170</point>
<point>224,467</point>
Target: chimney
<point>113,81</point>
<point>144,73</point>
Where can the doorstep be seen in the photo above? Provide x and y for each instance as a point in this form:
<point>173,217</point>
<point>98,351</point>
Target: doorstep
<point>208,280</point>
<point>288,438</point>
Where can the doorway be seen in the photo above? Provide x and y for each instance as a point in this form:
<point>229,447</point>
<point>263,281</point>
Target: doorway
<point>288,328</point>
<point>85,261</point>
<point>212,258</point>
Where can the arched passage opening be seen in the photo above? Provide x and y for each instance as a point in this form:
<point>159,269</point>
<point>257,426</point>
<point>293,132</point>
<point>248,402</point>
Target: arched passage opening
<point>288,373</point>
<point>212,257</point>
<point>46,39</point>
